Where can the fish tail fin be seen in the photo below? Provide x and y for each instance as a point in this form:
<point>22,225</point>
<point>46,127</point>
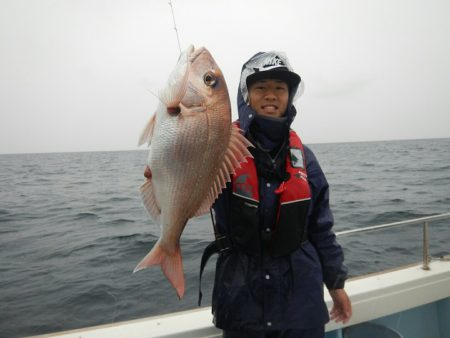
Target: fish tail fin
<point>171,265</point>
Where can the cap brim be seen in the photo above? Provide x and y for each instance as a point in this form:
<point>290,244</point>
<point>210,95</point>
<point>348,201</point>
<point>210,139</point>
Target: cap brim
<point>291,78</point>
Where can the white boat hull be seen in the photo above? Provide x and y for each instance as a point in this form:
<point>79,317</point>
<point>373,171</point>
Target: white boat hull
<point>379,297</point>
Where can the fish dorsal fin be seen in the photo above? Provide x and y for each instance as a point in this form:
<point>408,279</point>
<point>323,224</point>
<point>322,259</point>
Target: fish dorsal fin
<point>236,153</point>
<point>149,200</point>
<point>147,133</point>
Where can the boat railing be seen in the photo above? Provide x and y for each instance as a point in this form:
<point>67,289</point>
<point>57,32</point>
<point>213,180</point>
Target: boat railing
<point>424,220</point>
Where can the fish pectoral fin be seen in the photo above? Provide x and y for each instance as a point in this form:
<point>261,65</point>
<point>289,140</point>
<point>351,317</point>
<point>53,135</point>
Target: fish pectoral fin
<point>235,154</point>
<point>147,133</point>
<point>171,265</point>
<point>149,200</point>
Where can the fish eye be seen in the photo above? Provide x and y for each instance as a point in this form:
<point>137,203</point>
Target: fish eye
<point>209,79</point>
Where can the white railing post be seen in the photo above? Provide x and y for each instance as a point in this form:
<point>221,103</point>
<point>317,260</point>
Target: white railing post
<point>426,255</point>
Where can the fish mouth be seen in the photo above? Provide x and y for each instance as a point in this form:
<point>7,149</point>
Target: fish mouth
<point>189,99</point>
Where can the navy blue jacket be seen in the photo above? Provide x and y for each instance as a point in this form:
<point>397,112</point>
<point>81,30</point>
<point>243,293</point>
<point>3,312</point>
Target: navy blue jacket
<point>278,293</point>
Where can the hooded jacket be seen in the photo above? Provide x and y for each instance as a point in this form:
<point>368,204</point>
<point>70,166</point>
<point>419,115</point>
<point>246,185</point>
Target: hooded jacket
<point>277,293</point>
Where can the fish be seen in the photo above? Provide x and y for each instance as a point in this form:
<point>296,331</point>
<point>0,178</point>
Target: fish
<point>194,149</point>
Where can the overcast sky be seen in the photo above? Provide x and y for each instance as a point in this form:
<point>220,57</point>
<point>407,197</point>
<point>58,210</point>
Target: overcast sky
<point>75,75</point>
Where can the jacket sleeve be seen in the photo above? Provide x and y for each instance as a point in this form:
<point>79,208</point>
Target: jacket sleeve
<point>320,223</point>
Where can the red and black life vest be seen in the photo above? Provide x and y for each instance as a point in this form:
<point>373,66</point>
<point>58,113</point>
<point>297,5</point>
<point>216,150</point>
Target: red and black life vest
<point>288,232</point>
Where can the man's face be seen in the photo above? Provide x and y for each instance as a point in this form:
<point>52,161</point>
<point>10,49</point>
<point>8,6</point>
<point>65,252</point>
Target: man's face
<point>269,97</point>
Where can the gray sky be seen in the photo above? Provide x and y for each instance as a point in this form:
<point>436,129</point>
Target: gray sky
<point>75,74</point>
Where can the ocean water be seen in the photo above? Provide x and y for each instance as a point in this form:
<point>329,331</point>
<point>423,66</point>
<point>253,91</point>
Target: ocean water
<point>72,228</point>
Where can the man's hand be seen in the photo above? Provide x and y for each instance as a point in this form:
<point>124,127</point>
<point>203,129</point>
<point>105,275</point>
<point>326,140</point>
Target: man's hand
<point>342,306</point>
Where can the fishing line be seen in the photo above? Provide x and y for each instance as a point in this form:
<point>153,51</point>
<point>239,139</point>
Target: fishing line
<point>175,25</point>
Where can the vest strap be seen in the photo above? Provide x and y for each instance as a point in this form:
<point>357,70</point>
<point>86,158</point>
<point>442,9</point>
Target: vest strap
<point>221,244</point>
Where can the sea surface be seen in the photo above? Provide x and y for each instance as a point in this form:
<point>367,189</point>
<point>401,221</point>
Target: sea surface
<point>72,228</point>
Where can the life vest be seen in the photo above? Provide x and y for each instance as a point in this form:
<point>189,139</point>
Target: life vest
<point>289,230</point>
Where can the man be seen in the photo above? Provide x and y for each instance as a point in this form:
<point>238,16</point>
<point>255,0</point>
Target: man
<point>276,218</point>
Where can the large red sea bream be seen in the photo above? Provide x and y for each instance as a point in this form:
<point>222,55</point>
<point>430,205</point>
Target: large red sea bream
<point>193,150</point>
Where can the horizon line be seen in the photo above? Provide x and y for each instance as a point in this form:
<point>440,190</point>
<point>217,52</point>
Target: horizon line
<point>143,149</point>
